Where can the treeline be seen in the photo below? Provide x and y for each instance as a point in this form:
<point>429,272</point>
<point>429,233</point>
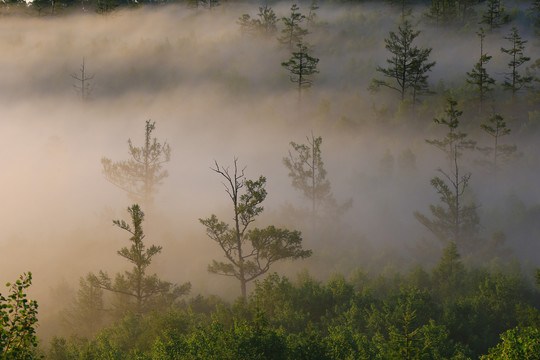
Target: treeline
<point>449,312</point>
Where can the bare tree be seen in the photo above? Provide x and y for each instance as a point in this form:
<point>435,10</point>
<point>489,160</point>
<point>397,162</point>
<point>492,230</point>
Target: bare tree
<point>83,86</point>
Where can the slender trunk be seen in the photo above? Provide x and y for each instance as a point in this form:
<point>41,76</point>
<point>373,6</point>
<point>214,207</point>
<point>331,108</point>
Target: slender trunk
<point>456,188</point>
<point>241,274</point>
<point>147,180</point>
<point>139,294</point>
<point>514,72</point>
<point>495,149</point>
<point>313,193</point>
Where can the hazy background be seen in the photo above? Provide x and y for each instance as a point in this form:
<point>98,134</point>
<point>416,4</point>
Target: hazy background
<point>216,94</point>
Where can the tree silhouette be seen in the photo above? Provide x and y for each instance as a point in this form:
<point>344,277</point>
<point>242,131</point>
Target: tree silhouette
<point>514,81</point>
<point>408,66</point>
<point>248,253</point>
<point>147,291</point>
<point>301,67</point>
<point>140,175</point>
<point>452,220</point>
<point>479,77</point>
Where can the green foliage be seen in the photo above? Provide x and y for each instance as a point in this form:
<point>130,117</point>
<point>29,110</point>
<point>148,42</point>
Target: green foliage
<point>148,292</point>
<point>442,12</point>
<point>306,169</point>
<point>496,127</point>
<point>18,320</point>
<point>449,275</point>
<point>408,66</point>
<point>266,24</point>
<point>478,77</point>
<point>533,72</point>
<point>249,253</point>
<point>301,67</point>
<point>204,4</point>
<point>292,33</point>
<point>458,315</point>
<point>495,14</point>
<point>86,315</point>
<point>534,14</point>
<point>452,220</point>
<point>517,344</point>
<point>140,175</point>
<point>106,6</point>
<point>514,81</point>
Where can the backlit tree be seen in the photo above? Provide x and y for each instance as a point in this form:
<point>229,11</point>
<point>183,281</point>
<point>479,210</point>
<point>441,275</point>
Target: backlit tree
<point>249,253</point>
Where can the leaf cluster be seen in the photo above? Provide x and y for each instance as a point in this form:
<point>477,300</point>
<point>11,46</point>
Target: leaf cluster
<point>265,24</point>
<point>18,321</point>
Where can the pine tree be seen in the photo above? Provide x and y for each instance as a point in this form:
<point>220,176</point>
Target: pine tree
<point>514,81</point>
<point>495,14</point>
<point>306,169</point>
<point>267,20</point>
<point>402,5</point>
<point>449,274</point>
<point>140,175</point>
<point>408,66</point>
<point>312,15</point>
<point>265,24</point>
<point>293,33</point>
<point>496,127</point>
<point>452,220</point>
<point>479,77</point>
<point>142,292</point>
<point>301,67</point>
<point>534,14</point>
<point>442,12</point>
<point>86,314</point>
<point>466,9</point>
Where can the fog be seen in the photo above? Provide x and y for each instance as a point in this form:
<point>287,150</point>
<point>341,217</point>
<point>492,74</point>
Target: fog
<point>216,94</point>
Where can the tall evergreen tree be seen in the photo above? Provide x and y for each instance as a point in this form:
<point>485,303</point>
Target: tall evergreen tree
<point>496,127</point>
<point>312,15</point>
<point>267,20</point>
<point>495,14</point>
<point>452,220</point>
<point>142,292</point>
<point>86,314</point>
<point>306,169</point>
<point>466,9</point>
<point>514,81</point>
<point>408,66</point>
<point>301,67</point>
<point>402,5</point>
<point>292,33</point>
<point>478,77</point>
<point>534,14</point>
<point>442,12</point>
<point>141,174</point>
